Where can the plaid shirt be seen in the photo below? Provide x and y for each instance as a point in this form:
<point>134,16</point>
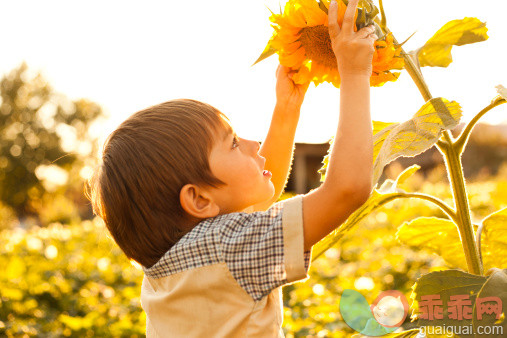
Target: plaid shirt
<point>251,245</point>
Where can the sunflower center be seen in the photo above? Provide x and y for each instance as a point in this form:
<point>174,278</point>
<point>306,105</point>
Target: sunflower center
<point>317,44</point>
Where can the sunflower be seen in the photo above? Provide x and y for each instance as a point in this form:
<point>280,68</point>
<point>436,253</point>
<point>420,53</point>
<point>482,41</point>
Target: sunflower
<point>301,39</point>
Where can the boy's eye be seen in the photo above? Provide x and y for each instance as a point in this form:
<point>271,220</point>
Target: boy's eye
<point>235,142</point>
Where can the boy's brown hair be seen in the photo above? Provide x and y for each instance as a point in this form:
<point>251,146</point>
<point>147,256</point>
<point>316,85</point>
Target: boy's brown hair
<point>145,163</point>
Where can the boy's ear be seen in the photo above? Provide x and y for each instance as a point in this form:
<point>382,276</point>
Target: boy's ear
<point>197,202</point>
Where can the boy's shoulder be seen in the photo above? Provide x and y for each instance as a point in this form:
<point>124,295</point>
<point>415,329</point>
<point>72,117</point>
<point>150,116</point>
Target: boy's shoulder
<point>261,250</point>
<point>213,237</point>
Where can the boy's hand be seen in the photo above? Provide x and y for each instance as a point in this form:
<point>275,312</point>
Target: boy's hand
<point>289,95</point>
<point>353,50</point>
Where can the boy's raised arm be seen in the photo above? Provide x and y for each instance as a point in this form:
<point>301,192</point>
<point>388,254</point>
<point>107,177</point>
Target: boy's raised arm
<point>278,146</point>
<point>348,177</point>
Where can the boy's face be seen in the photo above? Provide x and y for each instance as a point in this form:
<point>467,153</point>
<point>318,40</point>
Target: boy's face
<point>236,162</point>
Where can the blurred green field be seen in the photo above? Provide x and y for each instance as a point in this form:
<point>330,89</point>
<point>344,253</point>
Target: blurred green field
<point>72,280</point>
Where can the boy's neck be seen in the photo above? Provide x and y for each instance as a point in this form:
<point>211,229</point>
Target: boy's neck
<point>189,222</point>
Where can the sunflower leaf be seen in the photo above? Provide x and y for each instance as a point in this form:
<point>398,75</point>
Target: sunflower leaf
<point>414,136</point>
<point>267,52</point>
<point>438,235</point>
<point>436,52</point>
<point>495,286</point>
<point>443,285</point>
<point>494,240</point>
<point>366,13</point>
<point>410,138</point>
<point>408,172</point>
<point>406,40</point>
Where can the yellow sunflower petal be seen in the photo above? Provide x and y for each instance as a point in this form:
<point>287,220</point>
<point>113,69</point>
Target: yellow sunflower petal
<point>291,47</point>
<point>312,13</point>
<point>293,60</point>
<point>288,35</point>
<point>294,16</point>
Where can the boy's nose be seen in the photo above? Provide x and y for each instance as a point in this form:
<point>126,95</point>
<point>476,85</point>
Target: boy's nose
<point>255,145</point>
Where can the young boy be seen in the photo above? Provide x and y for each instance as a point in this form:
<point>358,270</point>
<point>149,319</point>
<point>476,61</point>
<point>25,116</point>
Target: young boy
<point>185,197</point>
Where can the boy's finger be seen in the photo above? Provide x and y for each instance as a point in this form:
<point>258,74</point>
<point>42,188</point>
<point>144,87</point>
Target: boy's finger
<point>373,37</point>
<point>282,70</point>
<point>364,32</point>
<point>334,28</point>
<point>348,19</point>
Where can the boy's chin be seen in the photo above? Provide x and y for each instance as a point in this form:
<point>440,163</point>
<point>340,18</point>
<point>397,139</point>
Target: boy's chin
<point>271,192</point>
<point>272,189</point>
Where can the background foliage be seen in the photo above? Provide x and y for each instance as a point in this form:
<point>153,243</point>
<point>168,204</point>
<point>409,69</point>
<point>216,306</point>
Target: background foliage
<point>42,134</point>
<point>67,280</point>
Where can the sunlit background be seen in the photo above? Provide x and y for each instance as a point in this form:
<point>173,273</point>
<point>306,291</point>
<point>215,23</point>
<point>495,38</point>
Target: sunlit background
<point>127,55</point>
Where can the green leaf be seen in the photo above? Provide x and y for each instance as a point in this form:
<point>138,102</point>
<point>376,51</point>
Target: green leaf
<point>407,173</point>
<point>392,140</point>
<point>415,135</point>
<point>406,40</point>
<point>390,186</point>
<point>441,236</point>
<point>437,50</point>
<point>495,286</point>
<point>435,56</point>
<point>366,13</point>
<point>381,131</point>
<point>386,193</point>
<point>436,234</point>
<point>445,284</point>
<point>494,240</point>
<point>267,52</point>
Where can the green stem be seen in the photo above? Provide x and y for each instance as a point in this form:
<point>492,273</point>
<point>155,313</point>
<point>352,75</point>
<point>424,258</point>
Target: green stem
<point>413,71</point>
<point>383,23</point>
<point>441,204</point>
<point>416,75</point>
<point>465,134</point>
<point>456,177</point>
